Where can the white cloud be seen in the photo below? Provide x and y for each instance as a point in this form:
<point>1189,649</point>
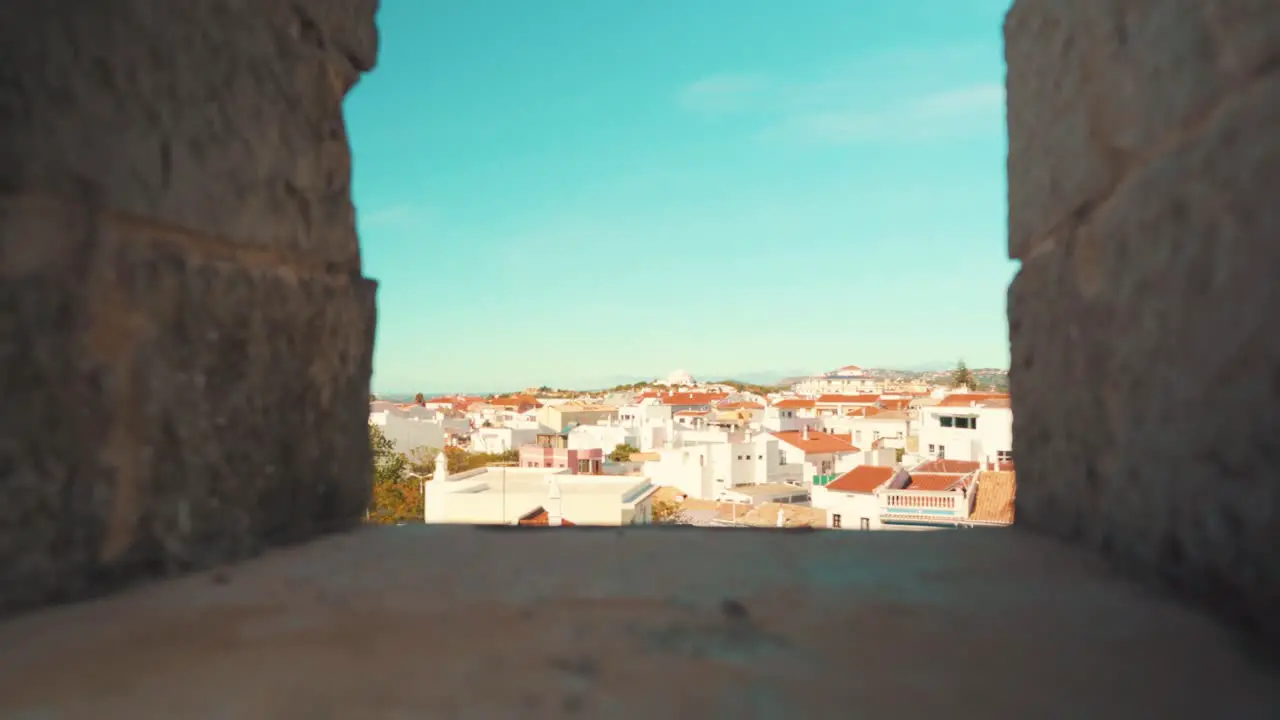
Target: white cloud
<point>949,114</point>
<point>725,93</point>
<point>909,94</point>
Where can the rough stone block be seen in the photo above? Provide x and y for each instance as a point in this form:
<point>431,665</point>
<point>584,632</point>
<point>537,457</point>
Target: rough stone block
<point>1093,88</point>
<point>1146,367</point>
<point>180,112</point>
<point>185,336</point>
<point>165,411</point>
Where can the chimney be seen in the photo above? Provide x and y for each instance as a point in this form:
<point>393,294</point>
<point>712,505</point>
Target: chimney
<point>805,432</point>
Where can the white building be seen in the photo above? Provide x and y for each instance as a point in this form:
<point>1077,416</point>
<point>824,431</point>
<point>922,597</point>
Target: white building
<point>721,462</point>
<point>814,457</point>
<point>515,495</point>
<point>788,415</point>
<point>410,430</point>
<point>850,500</point>
<point>972,426</point>
<point>677,378</point>
<point>848,380</point>
<point>603,437</point>
<point>885,428</point>
<point>511,436</point>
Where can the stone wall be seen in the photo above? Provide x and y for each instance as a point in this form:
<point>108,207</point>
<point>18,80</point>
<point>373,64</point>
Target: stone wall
<point>185,334</point>
<point>1144,163</point>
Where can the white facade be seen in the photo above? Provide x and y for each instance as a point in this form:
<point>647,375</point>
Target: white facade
<point>776,419</point>
<point>409,433</point>
<point>973,433</point>
<point>602,437</point>
<point>501,496</point>
<point>496,440</point>
<point>706,470</point>
<point>891,428</point>
<point>848,380</point>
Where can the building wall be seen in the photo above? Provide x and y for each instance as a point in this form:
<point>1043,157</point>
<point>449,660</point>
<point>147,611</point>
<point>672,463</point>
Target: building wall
<point>408,434</point>
<point>993,436</point>
<point>851,507</point>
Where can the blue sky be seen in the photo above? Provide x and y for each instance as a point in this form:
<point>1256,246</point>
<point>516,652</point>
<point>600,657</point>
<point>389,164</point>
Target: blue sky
<point>573,192</point>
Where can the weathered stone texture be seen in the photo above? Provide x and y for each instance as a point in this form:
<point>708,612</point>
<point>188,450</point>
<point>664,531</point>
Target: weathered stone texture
<point>185,337</point>
<point>1145,358</point>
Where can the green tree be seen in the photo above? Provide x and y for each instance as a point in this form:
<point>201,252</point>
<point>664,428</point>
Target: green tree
<point>668,513</point>
<point>622,453</point>
<point>396,496</point>
<point>962,375</point>
<point>389,465</point>
<point>419,399</point>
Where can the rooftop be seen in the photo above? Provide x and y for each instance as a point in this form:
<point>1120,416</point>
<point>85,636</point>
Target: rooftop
<point>996,493</point>
<point>862,479</point>
<point>817,442</point>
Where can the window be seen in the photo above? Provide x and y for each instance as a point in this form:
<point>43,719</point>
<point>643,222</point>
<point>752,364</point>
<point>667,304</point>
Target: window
<point>965,423</point>
<point>942,452</point>
<point>933,449</point>
<point>782,457</point>
<point>835,521</point>
<point>1004,456</point>
<point>759,457</point>
<point>946,421</point>
<point>865,523</point>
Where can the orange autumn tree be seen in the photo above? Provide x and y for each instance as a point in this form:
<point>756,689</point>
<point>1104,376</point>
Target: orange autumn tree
<point>397,496</point>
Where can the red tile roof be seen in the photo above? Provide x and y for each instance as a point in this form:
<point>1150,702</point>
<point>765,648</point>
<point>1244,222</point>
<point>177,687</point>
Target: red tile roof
<point>981,399</point>
<point>818,442</point>
<point>933,481</point>
<point>793,404</point>
<point>740,406</point>
<point>997,493</point>
<point>862,479</point>
<point>847,399</point>
<point>958,466</point>
<point>692,398</point>
<point>894,403</point>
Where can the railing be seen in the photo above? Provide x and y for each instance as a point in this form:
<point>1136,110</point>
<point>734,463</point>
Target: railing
<point>823,480</point>
<point>923,503</point>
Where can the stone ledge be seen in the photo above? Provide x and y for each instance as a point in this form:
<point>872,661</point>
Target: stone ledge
<point>427,621</point>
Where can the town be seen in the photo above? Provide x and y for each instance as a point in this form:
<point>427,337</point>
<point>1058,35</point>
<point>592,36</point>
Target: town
<point>849,449</point>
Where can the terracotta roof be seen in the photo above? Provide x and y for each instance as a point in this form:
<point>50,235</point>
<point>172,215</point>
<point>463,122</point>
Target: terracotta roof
<point>862,479</point>
<point>540,516</point>
<point>862,411</point>
<point>933,481</point>
<point>895,403</point>
<point>818,442</point>
<point>957,466</point>
<point>690,413</point>
<point>679,399</point>
<point>517,401</point>
<point>847,399</point>
<point>740,406</point>
<point>793,404</point>
<point>997,492</point>
<point>981,399</point>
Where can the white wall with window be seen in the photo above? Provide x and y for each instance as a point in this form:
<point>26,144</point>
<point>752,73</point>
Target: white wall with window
<point>967,433</point>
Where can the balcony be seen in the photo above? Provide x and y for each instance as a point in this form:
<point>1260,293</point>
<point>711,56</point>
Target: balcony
<point>922,507</point>
<point>824,480</point>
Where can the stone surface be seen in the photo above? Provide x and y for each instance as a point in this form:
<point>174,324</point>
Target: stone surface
<point>223,117</point>
<point>459,622</point>
<point>1145,362</point>
<point>1096,88</point>
<point>185,337</point>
